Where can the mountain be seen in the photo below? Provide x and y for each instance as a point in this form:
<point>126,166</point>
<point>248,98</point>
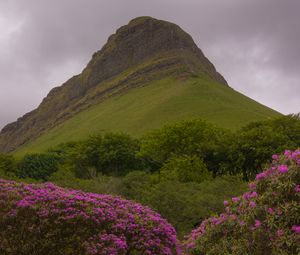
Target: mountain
<point>148,73</point>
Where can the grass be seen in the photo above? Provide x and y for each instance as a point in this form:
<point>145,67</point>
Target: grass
<point>160,102</point>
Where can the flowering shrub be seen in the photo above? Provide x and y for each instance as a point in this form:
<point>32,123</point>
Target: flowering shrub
<point>265,220</point>
<point>46,219</point>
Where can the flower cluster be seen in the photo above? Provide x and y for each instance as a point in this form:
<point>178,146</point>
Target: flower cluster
<point>264,220</point>
<point>46,219</point>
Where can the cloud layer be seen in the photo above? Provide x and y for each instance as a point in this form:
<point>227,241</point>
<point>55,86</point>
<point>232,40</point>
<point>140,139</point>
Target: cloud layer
<point>255,44</point>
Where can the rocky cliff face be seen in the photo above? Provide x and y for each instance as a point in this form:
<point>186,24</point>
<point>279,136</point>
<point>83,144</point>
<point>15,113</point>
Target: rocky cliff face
<point>137,53</point>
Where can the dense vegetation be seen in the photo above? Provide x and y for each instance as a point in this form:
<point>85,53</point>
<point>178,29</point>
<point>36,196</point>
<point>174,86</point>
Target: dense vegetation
<point>46,219</point>
<point>264,220</point>
<point>41,218</point>
<point>183,170</point>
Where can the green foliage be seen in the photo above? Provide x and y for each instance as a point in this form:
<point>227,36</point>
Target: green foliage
<point>111,154</point>
<point>162,101</point>
<point>254,144</point>
<point>37,166</point>
<point>101,184</point>
<point>8,165</point>
<point>178,202</point>
<point>194,138</point>
<point>264,220</point>
<point>182,204</point>
<point>185,169</point>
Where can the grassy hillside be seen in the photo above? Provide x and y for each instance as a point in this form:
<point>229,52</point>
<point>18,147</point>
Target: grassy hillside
<point>160,102</point>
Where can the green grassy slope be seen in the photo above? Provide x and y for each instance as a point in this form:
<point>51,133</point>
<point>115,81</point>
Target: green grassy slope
<point>160,102</point>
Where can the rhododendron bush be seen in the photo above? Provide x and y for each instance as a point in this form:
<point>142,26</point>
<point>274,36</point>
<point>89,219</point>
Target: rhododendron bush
<point>46,219</point>
<point>265,220</point>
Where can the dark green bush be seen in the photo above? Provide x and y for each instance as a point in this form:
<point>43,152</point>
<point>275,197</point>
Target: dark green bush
<point>38,166</point>
<point>111,154</point>
<point>252,146</point>
<point>8,165</point>
<point>185,169</point>
<point>191,138</point>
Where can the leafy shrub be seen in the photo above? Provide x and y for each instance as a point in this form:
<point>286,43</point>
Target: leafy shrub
<point>185,169</point>
<point>8,165</point>
<point>111,154</point>
<point>253,145</point>
<point>101,184</point>
<point>38,166</point>
<point>185,138</point>
<point>46,219</point>
<point>265,220</point>
<point>182,204</point>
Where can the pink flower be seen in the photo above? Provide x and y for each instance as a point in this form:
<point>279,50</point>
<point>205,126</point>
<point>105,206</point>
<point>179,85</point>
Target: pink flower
<point>252,185</point>
<point>257,223</point>
<point>283,168</point>
<point>287,153</point>
<point>296,229</point>
<point>297,188</point>
<point>253,194</point>
<point>225,203</point>
<point>280,232</point>
<point>242,223</point>
<point>260,176</point>
<point>235,199</point>
<point>270,211</point>
<point>252,204</point>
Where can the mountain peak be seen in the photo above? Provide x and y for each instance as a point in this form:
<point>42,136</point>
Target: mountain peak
<point>145,39</point>
<point>144,50</point>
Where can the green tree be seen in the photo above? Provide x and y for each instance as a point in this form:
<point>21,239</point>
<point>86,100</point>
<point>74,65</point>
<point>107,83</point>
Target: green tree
<point>191,138</point>
<point>111,154</point>
<point>252,146</point>
<point>38,166</point>
<point>185,169</point>
<point>8,165</point>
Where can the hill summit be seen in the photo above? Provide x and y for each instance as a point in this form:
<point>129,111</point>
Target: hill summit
<point>143,51</point>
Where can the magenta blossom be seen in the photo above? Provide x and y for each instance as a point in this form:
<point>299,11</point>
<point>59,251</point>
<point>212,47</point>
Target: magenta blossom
<point>283,168</point>
<point>257,223</point>
<point>252,204</point>
<point>79,223</point>
<point>296,229</point>
<point>235,199</point>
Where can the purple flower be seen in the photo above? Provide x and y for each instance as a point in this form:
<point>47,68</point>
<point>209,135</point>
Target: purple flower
<point>236,199</point>
<point>253,194</point>
<point>119,225</point>
<point>257,223</point>
<point>283,168</point>
<point>261,176</point>
<point>280,232</point>
<point>252,204</point>
<point>297,188</point>
<point>296,229</point>
<point>252,185</point>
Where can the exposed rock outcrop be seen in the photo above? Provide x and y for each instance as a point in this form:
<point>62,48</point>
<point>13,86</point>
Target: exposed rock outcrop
<point>137,53</point>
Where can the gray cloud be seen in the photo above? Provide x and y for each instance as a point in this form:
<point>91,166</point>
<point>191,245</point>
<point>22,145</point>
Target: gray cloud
<point>255,44</point>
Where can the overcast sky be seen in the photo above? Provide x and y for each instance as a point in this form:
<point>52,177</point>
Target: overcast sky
<point>255,44</point>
